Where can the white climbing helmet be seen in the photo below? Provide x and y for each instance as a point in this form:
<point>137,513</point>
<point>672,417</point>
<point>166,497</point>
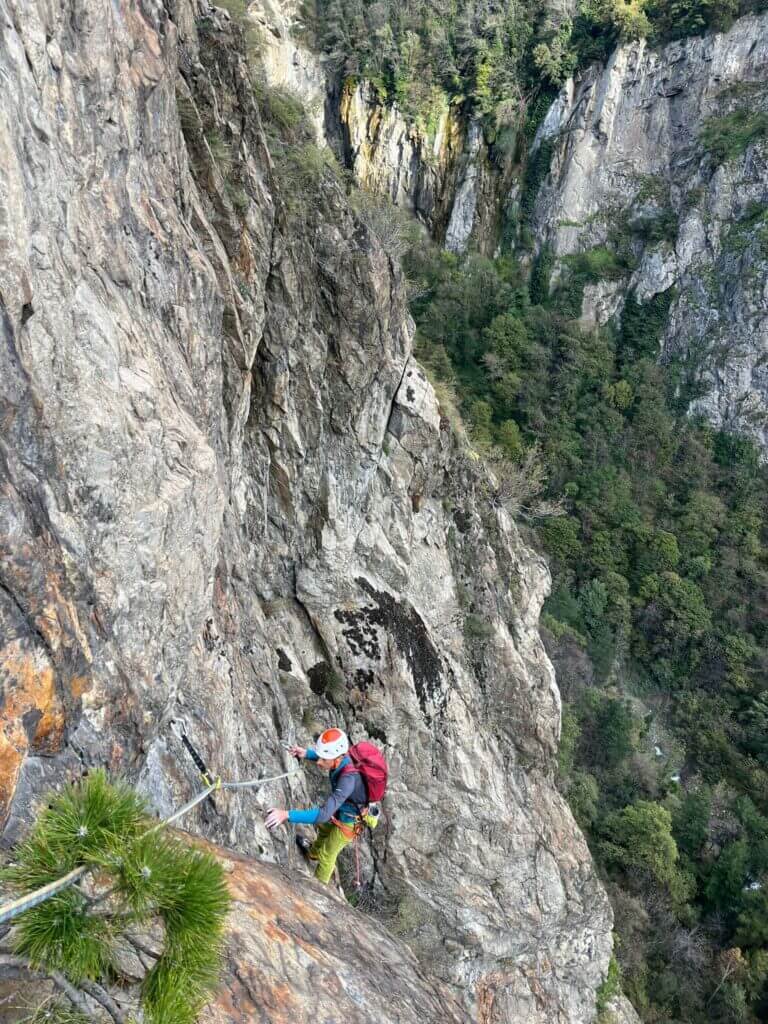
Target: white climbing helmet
<point>331,744</point>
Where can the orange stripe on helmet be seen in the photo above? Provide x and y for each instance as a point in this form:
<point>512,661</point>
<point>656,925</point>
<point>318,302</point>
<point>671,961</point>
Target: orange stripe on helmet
<point>330,736</point>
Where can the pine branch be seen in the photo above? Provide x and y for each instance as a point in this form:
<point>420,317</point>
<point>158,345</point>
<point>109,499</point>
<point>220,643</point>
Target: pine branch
<point>17,967</point>
<point>101,995</point>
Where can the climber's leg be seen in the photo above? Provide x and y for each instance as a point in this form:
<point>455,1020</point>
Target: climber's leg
<point>326,849</point>
<point>317,845</point>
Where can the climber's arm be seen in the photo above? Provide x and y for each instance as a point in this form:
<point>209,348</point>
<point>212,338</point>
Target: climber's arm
<point>319,815</point>
<point>341,793</point>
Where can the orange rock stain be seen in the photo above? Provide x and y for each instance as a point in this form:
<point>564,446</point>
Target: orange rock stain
<point>27,683</point>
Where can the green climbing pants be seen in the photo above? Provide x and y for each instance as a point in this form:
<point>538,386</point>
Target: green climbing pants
<point>329,844</point>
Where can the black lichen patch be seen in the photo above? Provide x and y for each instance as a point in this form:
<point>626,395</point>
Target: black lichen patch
<point>323,679</point>
<point>375,732</point>
<point>410,394</point>
<point>361,631</point>
<point>283,661</point>
<point>406,627</point>
<point>463,520</point>
<point>364,678</point>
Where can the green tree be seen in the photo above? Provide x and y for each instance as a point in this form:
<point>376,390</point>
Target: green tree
<point>137,877</point>
<point>657,551</point>
<point>640,836</point>
<point>752,928</point>
<point>728,878</point>
<point>690,822</point>
<point>629,17</point>
<point>510,439</point>
<point>561,538</point>
<point>674,19</point>
<point>480,415</point>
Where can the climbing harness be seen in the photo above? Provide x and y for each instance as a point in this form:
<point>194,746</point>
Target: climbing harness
<point>34,899</point>
<point>349,831</point>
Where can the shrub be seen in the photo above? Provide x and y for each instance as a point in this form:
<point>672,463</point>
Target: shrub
<point>640,836</point>
<point>642,327</point>
<point>138,876</point>
<point>541,275</point>
<point>284,110</point>
<point>520,486</point>
<point>628,18</point>
<point>727,138</point>
<point>596,264</point>
<point>611,987</point>
<point>394,228</point>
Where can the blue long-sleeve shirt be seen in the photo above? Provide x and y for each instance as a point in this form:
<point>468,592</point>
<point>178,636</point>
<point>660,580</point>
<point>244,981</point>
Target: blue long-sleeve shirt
<point>347,798</point>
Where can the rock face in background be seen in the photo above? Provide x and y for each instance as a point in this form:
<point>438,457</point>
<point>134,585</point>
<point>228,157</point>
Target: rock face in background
<point>392,158</point>
<point>446,179</point>
<point>287,63</point>
<point>229,502</point>
<point>630,169</point>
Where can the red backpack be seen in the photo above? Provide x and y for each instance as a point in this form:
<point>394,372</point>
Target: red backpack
<point>369,761</point>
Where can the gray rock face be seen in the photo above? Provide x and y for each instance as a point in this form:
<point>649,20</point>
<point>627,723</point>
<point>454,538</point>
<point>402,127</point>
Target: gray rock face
<point>631,169</point>
<point>287,63</point>
<point>465,204</point>
<point>621,1011</point>
<point>393,158</point>
<point>229,500</point>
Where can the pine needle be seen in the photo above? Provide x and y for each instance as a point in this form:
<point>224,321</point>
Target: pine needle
<point>142,874</point>
<point>61,935</point>
<point>56,1013</point>
<point>80,823</point>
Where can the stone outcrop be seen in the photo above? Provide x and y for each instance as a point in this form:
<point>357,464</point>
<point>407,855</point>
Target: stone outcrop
<point>297,953</point>
<point>230,503</point>
<point>633,169</point>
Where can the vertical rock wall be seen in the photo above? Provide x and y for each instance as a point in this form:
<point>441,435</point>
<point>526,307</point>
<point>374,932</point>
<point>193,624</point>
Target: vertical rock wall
<point>636,167</point>
<point>229,502</point>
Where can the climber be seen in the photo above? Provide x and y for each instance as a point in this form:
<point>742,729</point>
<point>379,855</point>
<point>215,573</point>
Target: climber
<point>354,773</point>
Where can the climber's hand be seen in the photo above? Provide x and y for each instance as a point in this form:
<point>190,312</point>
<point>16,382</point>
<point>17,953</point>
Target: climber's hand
<point>275,817</point>
<point>299,752</point>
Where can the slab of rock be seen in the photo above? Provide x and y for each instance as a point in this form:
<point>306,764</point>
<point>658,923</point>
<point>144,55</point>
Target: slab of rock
<point>298,954</point>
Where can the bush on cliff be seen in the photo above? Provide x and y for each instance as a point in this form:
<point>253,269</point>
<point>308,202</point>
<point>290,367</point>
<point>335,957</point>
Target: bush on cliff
<point>146,898</point>
<point>729,137</point>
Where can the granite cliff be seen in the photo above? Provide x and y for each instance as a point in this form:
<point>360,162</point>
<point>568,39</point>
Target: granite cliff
<point>231,503</point>
<point>641,162</point>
